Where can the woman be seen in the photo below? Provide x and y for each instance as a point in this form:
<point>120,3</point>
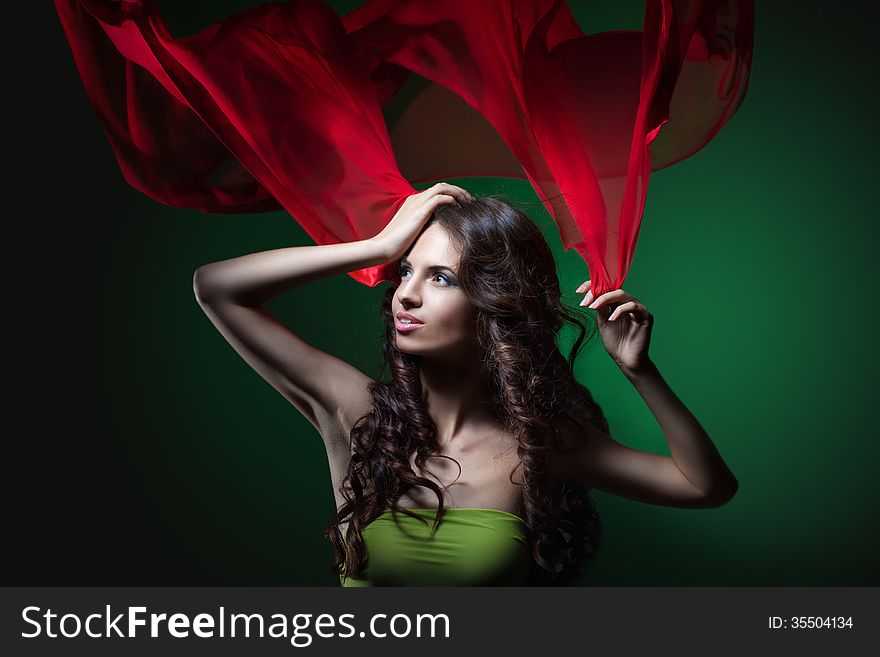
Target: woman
<point>482,411</point>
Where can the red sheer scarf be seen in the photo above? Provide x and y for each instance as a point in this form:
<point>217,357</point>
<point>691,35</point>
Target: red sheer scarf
<point>281,107</point>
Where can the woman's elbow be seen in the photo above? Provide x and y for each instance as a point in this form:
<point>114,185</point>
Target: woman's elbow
<point>201,286</point>
<point>722,494</point>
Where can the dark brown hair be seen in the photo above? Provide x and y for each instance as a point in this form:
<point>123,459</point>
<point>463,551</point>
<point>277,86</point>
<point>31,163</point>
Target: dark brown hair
<point>508,272</point>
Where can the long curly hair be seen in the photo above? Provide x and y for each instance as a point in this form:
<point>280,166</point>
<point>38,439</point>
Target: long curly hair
<point>508,272</point>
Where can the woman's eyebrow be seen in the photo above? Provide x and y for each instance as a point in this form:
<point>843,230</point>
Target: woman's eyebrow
<point>404,261</point>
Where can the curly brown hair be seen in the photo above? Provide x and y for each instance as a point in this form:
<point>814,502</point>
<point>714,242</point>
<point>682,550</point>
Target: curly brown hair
<point>508,272</point>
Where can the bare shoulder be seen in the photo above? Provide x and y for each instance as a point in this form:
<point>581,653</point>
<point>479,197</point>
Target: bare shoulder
<point>575,442</point>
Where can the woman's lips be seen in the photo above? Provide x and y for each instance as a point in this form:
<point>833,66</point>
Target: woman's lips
<point>405,328</point>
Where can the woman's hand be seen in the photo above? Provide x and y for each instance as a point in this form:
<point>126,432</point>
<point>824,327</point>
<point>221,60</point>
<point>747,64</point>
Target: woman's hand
<point>624,325</point>
<point>412,215</point>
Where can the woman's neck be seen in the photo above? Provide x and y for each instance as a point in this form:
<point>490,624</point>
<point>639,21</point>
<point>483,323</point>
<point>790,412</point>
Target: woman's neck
<point>456,393</point>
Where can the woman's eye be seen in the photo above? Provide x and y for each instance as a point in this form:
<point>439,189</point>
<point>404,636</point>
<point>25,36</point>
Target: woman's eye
<point>446,281</point>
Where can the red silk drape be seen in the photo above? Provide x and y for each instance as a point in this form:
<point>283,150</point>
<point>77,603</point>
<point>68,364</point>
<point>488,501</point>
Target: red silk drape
<point>281,107</point>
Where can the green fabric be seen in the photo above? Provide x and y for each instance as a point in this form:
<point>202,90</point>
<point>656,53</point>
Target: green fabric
<point>471,547</point>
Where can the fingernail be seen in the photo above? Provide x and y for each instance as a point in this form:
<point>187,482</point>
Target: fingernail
<point>593,305</point>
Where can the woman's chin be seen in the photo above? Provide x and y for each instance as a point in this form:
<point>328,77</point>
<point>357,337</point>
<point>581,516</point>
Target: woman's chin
<point>412,347</point>
<point>404,346</point>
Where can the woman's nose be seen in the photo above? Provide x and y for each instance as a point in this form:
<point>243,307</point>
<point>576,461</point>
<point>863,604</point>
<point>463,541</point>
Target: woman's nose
<point>408,294</point>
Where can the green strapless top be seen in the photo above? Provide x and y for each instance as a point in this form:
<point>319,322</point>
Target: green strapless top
<point>471,547</point>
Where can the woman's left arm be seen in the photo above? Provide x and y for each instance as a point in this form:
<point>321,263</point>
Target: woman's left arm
<point>625,328</point>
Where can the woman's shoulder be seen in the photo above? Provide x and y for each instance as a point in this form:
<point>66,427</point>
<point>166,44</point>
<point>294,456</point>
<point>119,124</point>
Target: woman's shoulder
<point>576,433</point>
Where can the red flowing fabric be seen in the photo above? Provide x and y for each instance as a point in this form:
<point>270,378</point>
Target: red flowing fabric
<point>281,107</point>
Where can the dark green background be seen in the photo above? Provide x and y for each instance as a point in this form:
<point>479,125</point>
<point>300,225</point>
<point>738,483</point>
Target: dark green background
<point>148,453</point>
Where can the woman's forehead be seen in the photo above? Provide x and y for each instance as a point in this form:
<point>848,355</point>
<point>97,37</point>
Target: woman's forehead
<point>434,247</point>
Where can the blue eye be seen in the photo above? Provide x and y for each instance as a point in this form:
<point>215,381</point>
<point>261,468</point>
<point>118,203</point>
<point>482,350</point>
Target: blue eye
<point>446,281</point>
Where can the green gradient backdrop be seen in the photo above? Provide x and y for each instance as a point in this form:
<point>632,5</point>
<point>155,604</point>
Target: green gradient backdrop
<point>755,256</point>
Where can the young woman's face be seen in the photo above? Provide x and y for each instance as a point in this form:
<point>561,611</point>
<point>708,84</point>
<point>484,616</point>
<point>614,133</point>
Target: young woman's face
<point>429,291</point>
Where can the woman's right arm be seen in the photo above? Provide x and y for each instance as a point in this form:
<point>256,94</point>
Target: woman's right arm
<point>253,279</point>
<point>329,392</point>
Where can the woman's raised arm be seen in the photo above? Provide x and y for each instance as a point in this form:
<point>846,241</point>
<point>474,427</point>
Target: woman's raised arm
<point>253,279</point>
<point>329,392</point>
<point>695,475</point>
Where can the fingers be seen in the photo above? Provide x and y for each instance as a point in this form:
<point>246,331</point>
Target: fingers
<point>618,296</point>
<point>585,287</point>
<point>459,194</point>
<point>439,199</point>
<point>624,303</point>
<point>629,305</point>
<point>633,307</point>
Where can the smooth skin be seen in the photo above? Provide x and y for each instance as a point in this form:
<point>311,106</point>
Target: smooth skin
<point>434,297</point>
<point>332,394</point>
